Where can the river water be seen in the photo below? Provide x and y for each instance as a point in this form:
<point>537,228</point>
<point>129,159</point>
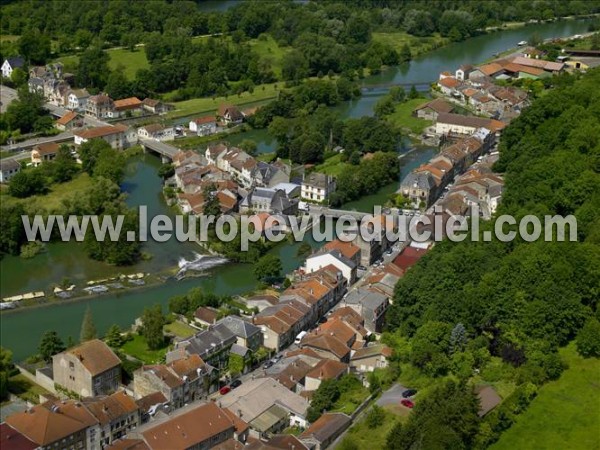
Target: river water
<point>21,330</point>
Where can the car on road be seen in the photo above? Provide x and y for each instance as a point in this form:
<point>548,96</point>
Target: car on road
<point>276,358</point>
<point>268,364</point>
<point>407,403</point>
<point>409,393</point>
<point>235,383</point>
<point>390,251</point>
<point>361,268</point>
<point>224,390</point>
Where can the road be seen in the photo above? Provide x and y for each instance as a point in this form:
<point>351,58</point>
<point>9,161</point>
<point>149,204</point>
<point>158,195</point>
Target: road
<point>7,95</point>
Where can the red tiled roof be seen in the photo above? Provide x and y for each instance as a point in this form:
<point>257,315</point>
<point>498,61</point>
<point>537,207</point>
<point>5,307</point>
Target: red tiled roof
<point>409,257</point>
<point>67,118</point>
<point>448,82</point>
<point>97,132</point>
<point>128,103</point>
<point>328,369</point>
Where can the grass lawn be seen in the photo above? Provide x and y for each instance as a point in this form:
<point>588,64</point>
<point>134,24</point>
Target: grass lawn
<point>180,329</point>
<point>417,45</point>
<point>332,166</point>
<point>269,51</point>
<point>52,201</point>
<point>403,117</point>
<point>131,61</point>
<point>367,438</point>
<point>207,104</point>
<point>566,412</point>
<point>25,389</point>
<point>138,348</point>
<point>350,400</point>
<point>9,37</point>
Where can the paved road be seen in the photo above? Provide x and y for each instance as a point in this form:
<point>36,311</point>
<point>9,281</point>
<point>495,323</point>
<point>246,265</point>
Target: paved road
<point>7,95</point>
<point>392,396</point>
<point>62,137</point>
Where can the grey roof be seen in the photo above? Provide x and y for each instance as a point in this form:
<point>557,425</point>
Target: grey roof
<point>16,61</point>
<point>9,164</point>
<point>422,180</point>
<point>338,255</point>
<point>327,426</point>
<point>239,350</point>
<point>318,179</point>
<point>366,298</point>
<point>204,342</point>
<point>264,193</point>
<point>239,327</point>
<point>36,81</point>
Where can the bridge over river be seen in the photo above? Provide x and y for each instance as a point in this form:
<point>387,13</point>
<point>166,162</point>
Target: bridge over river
<point>166,151</point>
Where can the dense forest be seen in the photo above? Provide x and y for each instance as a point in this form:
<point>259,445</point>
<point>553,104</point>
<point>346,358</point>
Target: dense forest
<point>319,37</point>
<point>518,302</point>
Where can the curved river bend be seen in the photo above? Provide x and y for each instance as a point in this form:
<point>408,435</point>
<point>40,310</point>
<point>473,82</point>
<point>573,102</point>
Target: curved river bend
<point>21,330</point>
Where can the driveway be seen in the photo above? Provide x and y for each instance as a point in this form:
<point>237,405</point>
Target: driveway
<point>392,396</point>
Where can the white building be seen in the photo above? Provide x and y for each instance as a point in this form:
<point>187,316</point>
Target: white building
<point>317,187</point>
<point>117,136</point>
<point>203,126</point>
<point>77,99</point>
<point>334,258</point>
<point>8,169</point>
<point>11,64</point>
<point>156,131</point>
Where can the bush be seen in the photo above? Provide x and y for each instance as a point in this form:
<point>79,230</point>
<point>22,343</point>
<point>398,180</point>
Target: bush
<point>588,339</point>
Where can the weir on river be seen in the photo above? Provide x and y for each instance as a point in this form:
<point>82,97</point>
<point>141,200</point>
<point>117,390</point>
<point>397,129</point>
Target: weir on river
<point>21,330</point>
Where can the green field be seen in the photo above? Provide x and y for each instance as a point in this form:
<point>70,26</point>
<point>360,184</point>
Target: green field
<point>138,348</point>
<point>269,51</point>
<point>417,45</point>
<point>131,61</point>
<point>207,104</point>
<point>180,329</point>
<point>566,412</point>
<point>25,389</point>
<point>403,117</point>
<point>332,166</point>
<point>52,201</point>
<point>367,438</point>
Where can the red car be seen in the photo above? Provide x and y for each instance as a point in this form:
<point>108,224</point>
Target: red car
<point>407,403</point>
<point>224,390</point>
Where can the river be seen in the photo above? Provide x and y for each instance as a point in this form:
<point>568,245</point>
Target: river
<point>21,330</point>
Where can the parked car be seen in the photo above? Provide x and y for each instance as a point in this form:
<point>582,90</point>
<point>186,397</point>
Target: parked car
<point>362,268</point>
<point>268,364</point>
<point>409,393</point>
<point>277,358</point>
<point>235,383</point>
<point>224,390</point>
<point>407,403</point>
<point>390,251</point>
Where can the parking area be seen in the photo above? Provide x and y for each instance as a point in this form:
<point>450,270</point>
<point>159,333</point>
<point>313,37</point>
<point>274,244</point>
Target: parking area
<point>392,396</point>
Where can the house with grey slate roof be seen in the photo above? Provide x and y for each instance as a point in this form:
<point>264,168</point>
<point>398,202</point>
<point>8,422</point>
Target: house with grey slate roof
<point>371,305</point>
<point>212,345</point>
<point>248,335</point>
<point>270,201</point>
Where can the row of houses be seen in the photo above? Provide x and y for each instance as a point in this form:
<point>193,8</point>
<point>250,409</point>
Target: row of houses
<point>425,184</point>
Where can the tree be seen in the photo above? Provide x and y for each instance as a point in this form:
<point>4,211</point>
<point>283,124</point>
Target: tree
<point>269,266</point>
<point>212,206</point>
<point>18,77</point>
<point>113,336</point>
<point>27,183</point>
<point>153,321</point>
<point>588,339</point>
<point>236,365</point>
<point>50,345</point>
<point>249,146</point>
<point>93,69</point>
<point>117,85</point>
<point>35,46</point>
<point>405,53</point>
<point>323,399</point>
<point>5,368</point>
<point>88,329</point>
<point>458,338</point>
<point>375,417</point>
<point>166,170</point>
<point>63,167</point>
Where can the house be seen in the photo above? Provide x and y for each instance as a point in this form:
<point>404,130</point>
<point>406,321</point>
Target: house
<point>212,345</point>
<point>267,406</point>
<point>8,169</point>
<point>157,132</point>
<point>294,374</point>
<point>327,346</point>
<point>278,442</point>
<point>336,259</point>
<point>349,250</point>
<point>117,136</point>
<point>117,415</point>
<point>317,187</point>
<point>322,433</point>
<point>230,115</point>
<point>326,369</point>
<point>100,106</point>
<point>89,369</point>
<point>181,381</point>
<point>371,305</point>
<point>271,201</point>
<point>11,64</point>
<point>488,399</point>
<point>281,323</point>
<point>291,190</point>
<point>150,404</point>
<point>203,126</point>
<point>430,110</point>
<point>420,188</point>
<point>547,66</point>
<point>448,85</point>
<point>462,73</point>
<point>206,316</point>
<point>486,70</point>
<point>56,425</point>
<point>261,301</point>
<point>155,106</point>
<point>44,152</point>
<point>77,99</point>
<point>248,335</point>
<point>409,257</point>
<point>448,123</point>
<point>199,428</point>
<point>369,358</point>
<point>16,440</point>
<point>69,121</point>
<point>127,106</point>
